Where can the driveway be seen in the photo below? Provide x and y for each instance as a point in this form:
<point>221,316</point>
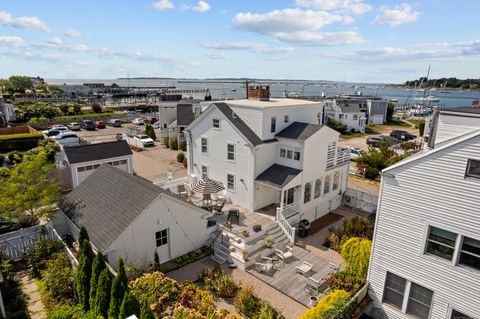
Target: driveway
<point>154,162</point>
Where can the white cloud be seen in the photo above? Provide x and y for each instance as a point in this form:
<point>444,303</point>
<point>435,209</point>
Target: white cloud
<point>163,5</point>
<point>201,7</point>
<point>356,7</point>
<point>395,16</point>
<point>72,33</point>
<point>253,47</point>
<point>322,38</point>
<point>55,41</point>
<point>23,22</point>
<point>218,56</point>
<point>11,41</point>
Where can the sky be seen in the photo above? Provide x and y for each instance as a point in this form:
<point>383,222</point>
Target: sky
<point>338,40</point>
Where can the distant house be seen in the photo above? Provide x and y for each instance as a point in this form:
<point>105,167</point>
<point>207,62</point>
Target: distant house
<point>128,217</point>
<point>348,112</point>
<point>375,107</point>
<point>8,110</point>
<point>84,159</point>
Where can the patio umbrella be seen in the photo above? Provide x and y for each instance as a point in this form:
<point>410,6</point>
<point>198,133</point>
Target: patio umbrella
<point>207,186</point>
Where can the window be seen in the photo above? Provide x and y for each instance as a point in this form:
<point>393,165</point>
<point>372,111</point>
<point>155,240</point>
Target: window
<point>470,253</point>
<point>216,123</point>
<point>318,188</point>
<point>459,315</point>
<point>336,180</point>
<point>308,193</point>
<point>289,154</point>
<point>394,290</point>
<point>231,152</point>
<point>165,125</point>
<point>116,163</point>
<point>419,301</point>
<point>296,156</point>
<point>473,168</point>
<point>123,162</point>
<point>273,125</point>
<point>285,119</point>
<point>355,117</point>
<point>161,237</point>
<point>88,167</point>
<point>204,145</point>
<point>204,171</point>
<point>441,243</point>
<point>283,152</point>
<point>326,187</point>
<point>230,182</point>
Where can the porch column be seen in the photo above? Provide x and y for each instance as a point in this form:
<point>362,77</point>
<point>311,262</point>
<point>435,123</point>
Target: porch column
<point>281,197</point>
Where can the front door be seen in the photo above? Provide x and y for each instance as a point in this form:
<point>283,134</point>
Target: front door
<point>289,196</point>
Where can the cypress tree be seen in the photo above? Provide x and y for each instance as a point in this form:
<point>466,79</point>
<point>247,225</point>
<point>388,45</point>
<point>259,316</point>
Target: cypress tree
<point>130,306</point>
<point>119,287</point>
<point>102,296</point>
<point>87,251</point>
<point>156,262</point>
<point>97,268</point>
<point>146,312</point>
<point>82,282</point>
<point>81,237</point>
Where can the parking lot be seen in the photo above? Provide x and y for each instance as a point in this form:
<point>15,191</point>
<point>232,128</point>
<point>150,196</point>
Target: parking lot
<point>153,163</point>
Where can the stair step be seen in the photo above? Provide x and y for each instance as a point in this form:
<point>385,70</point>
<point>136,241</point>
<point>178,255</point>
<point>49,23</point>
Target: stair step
<point>218,260</point>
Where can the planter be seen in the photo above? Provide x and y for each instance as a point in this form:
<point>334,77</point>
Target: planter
<point>257,228</point>
<point>313,301</point>
<point>246,233</point>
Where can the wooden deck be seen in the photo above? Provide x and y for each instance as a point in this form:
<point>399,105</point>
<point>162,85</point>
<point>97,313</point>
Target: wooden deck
<point>285,278</point>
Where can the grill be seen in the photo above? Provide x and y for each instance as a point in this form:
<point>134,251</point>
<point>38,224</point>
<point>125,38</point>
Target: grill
<point>303,227</point>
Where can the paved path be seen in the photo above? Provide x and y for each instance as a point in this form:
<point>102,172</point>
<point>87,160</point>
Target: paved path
<point>36,308</point>
<point>154,162</point>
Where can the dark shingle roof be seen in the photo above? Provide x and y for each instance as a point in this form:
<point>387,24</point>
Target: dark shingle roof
<point>239,124</point>
<point>299,131</point>
<point>278,175</point>
<point>107,202</point>
<point>185,114</point>
<point>93,152</point>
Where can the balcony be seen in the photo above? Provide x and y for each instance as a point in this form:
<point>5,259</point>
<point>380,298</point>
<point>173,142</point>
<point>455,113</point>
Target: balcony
<point>343,156</point>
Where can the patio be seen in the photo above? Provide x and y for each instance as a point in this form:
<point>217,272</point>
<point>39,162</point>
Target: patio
<point>285,277</point>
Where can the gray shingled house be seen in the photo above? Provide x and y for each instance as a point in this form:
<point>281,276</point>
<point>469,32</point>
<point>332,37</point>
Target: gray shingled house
<point>127,216</point>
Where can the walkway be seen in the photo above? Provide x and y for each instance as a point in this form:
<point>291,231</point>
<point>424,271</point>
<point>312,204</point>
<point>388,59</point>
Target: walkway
<point>29,287</point>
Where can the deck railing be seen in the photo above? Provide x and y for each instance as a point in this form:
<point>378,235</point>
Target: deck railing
<point>343,156</point>
<point>285,226</point>
<point>172,185</point>
<point>290,209</point>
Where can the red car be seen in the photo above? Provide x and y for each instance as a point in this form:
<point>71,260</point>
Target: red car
<point>100,124</point>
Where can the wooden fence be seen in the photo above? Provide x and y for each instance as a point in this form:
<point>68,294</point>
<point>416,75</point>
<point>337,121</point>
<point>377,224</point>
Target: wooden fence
<point>63,176</point>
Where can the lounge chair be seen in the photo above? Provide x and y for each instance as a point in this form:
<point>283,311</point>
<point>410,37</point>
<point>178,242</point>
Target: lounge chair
<point>234,215</point>
<point>284,255</point>
<point>217,209</point>
<point>304,269</point>
<point>264,267</point>
<point>312,286</point>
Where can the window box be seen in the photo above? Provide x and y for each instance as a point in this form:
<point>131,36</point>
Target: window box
<point>257,228</point>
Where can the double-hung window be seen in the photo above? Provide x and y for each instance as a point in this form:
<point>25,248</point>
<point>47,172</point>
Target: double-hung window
<point>285,119</point>
<point>394,291</point>
<point>161,237</point>
<point>458,315</point>
<point>231,182</point>
<point>289,154</point>
<point>273,125</point>
<point>419,301</point>
<point>283,152</point>
<point>441,243</point>
<point>473,168</point>
<point>216,123</point>
<point>296,156</point>
<point>204,145</point>
<point>230,152</point>
<point>470,253</point>
<point>204,171</point>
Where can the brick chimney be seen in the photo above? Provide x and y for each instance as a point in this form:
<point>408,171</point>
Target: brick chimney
<point>258,91</point>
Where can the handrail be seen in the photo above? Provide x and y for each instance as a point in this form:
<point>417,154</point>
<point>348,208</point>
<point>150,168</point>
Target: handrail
<point>285,226</point>
<point>290,209</point>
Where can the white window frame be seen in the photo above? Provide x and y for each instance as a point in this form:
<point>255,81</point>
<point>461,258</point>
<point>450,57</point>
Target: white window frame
<point>213,124</point>
<point>234,152</point>
<point>273,120</point>
<point>201,171</point>
<point>451,308</point>
<point>234,182</point>
<point>201,145</point>
<point>162,237</point>
<point>286,118</point>
<point>284,154</point>
<point>299,155</point>
<point>469,162</point>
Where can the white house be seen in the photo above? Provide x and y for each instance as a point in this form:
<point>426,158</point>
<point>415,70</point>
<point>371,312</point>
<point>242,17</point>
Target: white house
<point>7,109</point>
<point>128,217</point>
<point>84,159</point>
<point>425,260</point>
<point>348,112</point>
<point>270,151</point>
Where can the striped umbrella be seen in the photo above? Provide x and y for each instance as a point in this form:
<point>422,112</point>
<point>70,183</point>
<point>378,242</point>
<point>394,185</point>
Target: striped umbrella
<point>207,186</point>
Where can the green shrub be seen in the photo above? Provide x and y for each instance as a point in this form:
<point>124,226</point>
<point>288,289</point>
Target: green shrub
<point>166,141</point>
<point>173,144</point>
<point>356,253</point>
<point>180,157</point>
<point>58,278</point>
<point>336,125</point>
<point>97,269</point>
<point>96,108</point>
<point>183,146</point>
<point>146,312</point>
<point>42,251</point>
<point>356,227</point>
<point>82,282</point>
<point>156,290</point>
<point>219,283</point>
<point>119,288</point>
<point>325,308</point>
<point>130,306</point>
<point>421,128</point>
<point>19,142</point>
<point>66,311</point>
<point>371,173</point>
<point>150,131</point>
<point>246,302</point>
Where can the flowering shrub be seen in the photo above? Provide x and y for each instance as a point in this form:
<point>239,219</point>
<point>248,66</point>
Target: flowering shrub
<point>219,283</point>
<point>330,307</point>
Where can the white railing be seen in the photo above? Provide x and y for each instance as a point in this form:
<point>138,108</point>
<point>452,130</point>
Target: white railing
<point>343,156</point>
<point>285,226</point>
<point>290,209</point>
<point>172,185</point>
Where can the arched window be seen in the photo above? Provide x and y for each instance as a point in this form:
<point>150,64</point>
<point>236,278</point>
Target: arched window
<point>336,180</point>
<point>326,187</point>
<point>318,188</point>
<point>307,195</point>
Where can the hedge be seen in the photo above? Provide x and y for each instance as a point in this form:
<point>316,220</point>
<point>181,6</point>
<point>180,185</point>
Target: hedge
<point>19,142</point>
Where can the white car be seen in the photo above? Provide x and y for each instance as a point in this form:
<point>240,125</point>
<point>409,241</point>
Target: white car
<point>144,139</point>
<point>355,153</point>
<point>138,121</point>
<point>67,139</point>
<point>54,131</point>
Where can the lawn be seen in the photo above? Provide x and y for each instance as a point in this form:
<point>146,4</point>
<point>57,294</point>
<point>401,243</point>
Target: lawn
<point>369,130</point>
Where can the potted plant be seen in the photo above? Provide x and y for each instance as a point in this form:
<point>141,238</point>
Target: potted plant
<point>227,224</point>
<point>245,254</point>
<point>245,233</point>
<point>257,228</point>
<point>269,241</point>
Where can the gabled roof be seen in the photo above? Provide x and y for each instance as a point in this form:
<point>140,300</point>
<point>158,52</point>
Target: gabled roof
<point>239,123</point>
<point>107,202</point>
<point>99,151</point>
<point>299,131</point>
<point>185,114</point>
<point>278,175</point>
<point>350,107</point>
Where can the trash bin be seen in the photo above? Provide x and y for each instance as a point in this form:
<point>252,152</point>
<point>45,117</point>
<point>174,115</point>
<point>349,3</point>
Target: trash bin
<point>303,228</point>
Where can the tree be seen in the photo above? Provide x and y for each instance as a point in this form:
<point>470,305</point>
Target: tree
<point>356,253</point>
<point>149,130</point>
<point>102,296</point>
<point>156,262</point>
<point>82,235</point>
<point>97,108</point>
<point>390,109</point>
<point>20,83</point>
<point>87,251</point>
<point>82,283</point>
<point>77,108</point>
<point>146,312</point>
<point>336,125</point>
<point>28,192</point>
<point>97,269</point>
<point>130,306</point>
<point>119,288</point>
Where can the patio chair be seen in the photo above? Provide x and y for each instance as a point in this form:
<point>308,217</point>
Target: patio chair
<point>181,190</point>
<point>217,209</point>
<point>234,215</point>
<point>312,286</point>
<point>304,268</point>
<point>284,255</point>
<point>333,267</point>
<point>264,267</point>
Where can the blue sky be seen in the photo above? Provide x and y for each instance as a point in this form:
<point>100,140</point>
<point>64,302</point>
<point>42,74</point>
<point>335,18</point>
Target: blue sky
<point>352,40</point>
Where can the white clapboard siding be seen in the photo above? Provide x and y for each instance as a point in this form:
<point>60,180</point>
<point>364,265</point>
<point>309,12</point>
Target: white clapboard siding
<point>429,191</point>
<point>451,126</point>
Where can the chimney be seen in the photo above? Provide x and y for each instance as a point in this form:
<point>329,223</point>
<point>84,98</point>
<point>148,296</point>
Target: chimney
<point>475,103</point>
<point>258,92</point>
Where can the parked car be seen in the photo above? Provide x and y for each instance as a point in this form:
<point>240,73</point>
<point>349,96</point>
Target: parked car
<point>114,123</point>
<point>88,125</point>
<point>147,141</point>
<point>138,121</point>
<point>403,135</point>
<point>100,124</point>
<point>67,139</point>
<point>74,126</point>
<point>54,131</point>
<point>355,153</point>
<point>375,140</point>
<point>132,131</point>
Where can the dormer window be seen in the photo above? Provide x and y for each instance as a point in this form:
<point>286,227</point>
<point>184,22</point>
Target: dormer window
<point>216,123</point>
<point>285,119</point>
<point>473,168</point>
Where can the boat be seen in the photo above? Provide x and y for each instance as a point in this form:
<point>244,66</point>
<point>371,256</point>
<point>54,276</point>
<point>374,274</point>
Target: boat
<point>428,99</point>
<point>233,90</point>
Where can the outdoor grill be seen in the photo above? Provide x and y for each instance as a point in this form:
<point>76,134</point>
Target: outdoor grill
<point>303,227</point>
